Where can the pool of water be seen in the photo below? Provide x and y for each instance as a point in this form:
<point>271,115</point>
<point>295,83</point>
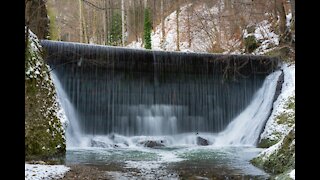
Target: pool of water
<point>173,161</point>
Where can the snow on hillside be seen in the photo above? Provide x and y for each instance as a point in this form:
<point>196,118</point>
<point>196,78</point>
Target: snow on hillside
<point>203,31</point>
<point>200,40</point>
<point>38,171</point>
<point>263,33</point>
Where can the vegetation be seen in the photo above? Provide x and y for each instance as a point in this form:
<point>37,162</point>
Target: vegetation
<point>53,29</point>
<point>115,35</point>
<point>250,44</point>
<point>147,29</point>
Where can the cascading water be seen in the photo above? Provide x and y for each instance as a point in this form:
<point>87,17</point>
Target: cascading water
<point>73,133</point>
<point>245,129</point>
<point>135,93</point>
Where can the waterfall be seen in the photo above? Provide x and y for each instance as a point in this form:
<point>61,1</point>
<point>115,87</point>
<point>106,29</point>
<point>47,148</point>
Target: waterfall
<point>132,92</point>
<point>73,132</point>
<point>245,129</point>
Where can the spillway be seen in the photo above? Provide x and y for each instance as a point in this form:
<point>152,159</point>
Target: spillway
<point>142,92</point>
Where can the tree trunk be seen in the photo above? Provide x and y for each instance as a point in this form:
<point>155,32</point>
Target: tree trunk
<point>293,8</point>
<point>84,27</point>
<point>94,26</point>
<point>162,24</point>
<point>282,16</point>
<point>189,25</point>
<point>106,21</point>
<point>80,20</point>
<point>154,14</point>
<point>122,21</point>
<point>177,22</point>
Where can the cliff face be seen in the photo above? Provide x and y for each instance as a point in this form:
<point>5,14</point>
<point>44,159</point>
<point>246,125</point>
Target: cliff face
<point>44,118</point>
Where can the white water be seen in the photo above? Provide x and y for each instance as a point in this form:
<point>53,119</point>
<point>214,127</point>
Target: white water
<point>73,132</point>
<point>245,129</point>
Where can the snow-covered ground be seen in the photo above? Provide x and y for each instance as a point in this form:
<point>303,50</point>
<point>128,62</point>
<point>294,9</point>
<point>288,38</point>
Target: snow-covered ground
<point>38,171</point>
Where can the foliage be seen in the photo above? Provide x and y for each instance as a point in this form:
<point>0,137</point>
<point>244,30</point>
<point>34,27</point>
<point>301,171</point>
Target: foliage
<point>251,44</point>
<point>115,34</point>
<point>147,29</point>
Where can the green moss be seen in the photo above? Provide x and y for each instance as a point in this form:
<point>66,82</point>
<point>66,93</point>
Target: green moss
<point>291,103</point>
<point>251,44</point>
<point>265,143</point>
<point>288,118</point>
<point>285,118</point>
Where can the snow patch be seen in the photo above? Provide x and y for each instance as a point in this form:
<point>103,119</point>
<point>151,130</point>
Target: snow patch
<point>288,19</point>
<point>292,174</point>
<point>265,35</point>
<point>38,171</point>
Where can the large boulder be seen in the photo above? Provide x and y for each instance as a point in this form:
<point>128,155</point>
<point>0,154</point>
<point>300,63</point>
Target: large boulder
<point>279,158</point>
<point>202,142</point>
<point>152,143</point>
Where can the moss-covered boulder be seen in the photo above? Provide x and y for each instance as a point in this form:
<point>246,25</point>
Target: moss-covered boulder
<point>279,158</point>
<point>44,132</point>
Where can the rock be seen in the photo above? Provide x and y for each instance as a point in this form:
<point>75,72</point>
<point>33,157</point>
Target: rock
<point>201,141</point>
<point>152,144</point>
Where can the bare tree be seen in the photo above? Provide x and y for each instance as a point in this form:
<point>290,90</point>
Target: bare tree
<point>162,23</point>
<point>177,27</point>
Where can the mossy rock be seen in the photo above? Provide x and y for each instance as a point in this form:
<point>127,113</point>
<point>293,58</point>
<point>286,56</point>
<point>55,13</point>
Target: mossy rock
<point>265,143</point>
<point>282,159</point>
<point>44,133</point>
